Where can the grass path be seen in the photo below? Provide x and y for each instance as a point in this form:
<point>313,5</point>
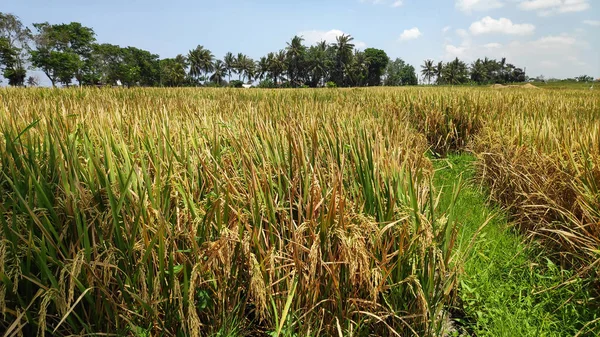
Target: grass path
<point>508,287</point>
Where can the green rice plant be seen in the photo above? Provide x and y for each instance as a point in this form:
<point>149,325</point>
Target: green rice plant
<point>218,212</point>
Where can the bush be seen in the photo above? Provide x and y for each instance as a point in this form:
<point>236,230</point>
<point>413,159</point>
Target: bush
<point>331,84</point>
<point>268,83</point>
<point>236,84</point>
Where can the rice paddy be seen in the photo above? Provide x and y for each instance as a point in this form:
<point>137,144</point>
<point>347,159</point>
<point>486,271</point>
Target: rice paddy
<point>305,212</point>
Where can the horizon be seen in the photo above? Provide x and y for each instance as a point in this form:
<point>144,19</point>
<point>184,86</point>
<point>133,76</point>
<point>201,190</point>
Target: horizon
<point>546,37</point>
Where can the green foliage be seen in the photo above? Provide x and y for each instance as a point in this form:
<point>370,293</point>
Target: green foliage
<point>488,71</point>
<point>585,78</point>
<point>455,72</point>
<point>400,73</point>
<point>268,83</point>
<point>63,51</point>
<point>236,84</point>
<point>201,62</point>
<point>172,71</point>
<point>331,84</point>
<point>377,60</point>
<point>14,41</point>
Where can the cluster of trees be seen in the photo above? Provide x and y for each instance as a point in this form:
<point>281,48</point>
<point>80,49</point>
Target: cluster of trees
<point>484,71</point>
<point>69,53</point>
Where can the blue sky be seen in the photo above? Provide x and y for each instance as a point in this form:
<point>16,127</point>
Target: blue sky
<point>556,38</point>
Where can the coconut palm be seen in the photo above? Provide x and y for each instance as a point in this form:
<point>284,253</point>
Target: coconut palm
<point>262,67</point>
<point>479,72</point>
<point>343,48</point>
<point>439,73</point>
<point>428,70</point>
<point>201,61</point>
<point>358,70</point>
<point>229,61</point>
<point>219,72</point>
<point>244,67</point>
<point>317,60</point>
<point>33,81</point>
<point>455,72</point>
<point>238,65</point>
<point>295,53</point>
<point>277,65</point>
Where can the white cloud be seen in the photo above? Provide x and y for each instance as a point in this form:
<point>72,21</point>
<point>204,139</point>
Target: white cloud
<point>446,29</point>
<point>395,3</point>
<point>462,33</point>
<point>555,42</point>
<point>454,51</point>
<point>549,7</point>
<point>561,55</point>
<point>539,4</point>
<point>312,37</point>
<point>410,34</point>
<point>493,45</point>
<point>592,22</point>
<point>478,5</point>
<point>488,25</point>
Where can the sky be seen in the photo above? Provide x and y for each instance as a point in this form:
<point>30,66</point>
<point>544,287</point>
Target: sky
<point>554,38</point>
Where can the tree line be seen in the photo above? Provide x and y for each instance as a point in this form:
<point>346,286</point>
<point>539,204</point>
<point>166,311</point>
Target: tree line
<point>69,54</point>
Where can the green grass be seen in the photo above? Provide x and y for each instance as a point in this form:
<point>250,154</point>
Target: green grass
<point>567,85</point>
<point>508,287</point>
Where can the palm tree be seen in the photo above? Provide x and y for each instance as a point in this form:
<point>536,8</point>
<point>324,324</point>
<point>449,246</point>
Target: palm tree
<point>238,65</point>
<point>455,72</point>
<point>220,70</point>
<point>229,61</point>
<point>502,65</point>
<point>343,49</point>
<point>33,81</point>
<point>262,67</point>
<point>317,63</point>
<point>358,70</point>
<point>201,61</point>
<point>295,52</point>
<point>428,70</point>
<point>244,67</point>
<point>276,65</point>
<point>478,72</point>
<point>249,68</point>
<point>439,73</point>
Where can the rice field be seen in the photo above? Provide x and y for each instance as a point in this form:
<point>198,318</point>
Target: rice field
<point>309,212</point>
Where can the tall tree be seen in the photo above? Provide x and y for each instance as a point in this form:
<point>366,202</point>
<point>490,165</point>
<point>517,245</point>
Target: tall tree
<point>428,70</point>
<point>219,73</point>
<point>201,62</point>
<point>172,71</point>
<point>229,61</point>
<point>358,70</point>
<point>318,62</point>
<point>62,51</point>
<point>14,42</point>
<point>343,51</point>
<point>455,72</point>
<point>378,61</point>
<point>399,73</point>
<point>439,73</point>
<point>479,72</point>
<point>262,68</point>
<point>295,59</point>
